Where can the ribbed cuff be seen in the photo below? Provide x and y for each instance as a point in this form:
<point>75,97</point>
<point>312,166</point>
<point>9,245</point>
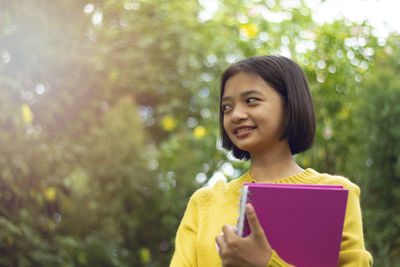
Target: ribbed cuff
<point>276,261</point>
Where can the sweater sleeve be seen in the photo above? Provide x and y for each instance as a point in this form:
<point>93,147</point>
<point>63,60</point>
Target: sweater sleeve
<point>352,250</point>
<point>276,261</point>
<point>186,238</point>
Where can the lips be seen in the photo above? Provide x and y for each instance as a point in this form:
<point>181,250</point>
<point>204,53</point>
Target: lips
<point>243,130</point>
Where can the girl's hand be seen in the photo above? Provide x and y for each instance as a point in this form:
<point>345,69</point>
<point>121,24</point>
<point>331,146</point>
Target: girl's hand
<point>253,250</point>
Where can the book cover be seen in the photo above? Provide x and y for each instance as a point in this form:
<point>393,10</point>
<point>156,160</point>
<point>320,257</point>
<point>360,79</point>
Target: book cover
<point>303,223</point>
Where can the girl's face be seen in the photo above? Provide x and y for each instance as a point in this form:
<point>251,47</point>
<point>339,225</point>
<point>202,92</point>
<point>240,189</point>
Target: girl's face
<point>253,113</point>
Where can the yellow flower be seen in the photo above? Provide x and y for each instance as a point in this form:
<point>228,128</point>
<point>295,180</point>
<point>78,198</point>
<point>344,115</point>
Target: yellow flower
<point>144,255</point>
<point>168,123</point>
<point>112,76</point>
<point>345,113</point>
<point>27,115</point>
<point>306,162</point>
<point>199,132</point>
<point>10,240</point>
<point>250,30</point>
<point>50,194</point>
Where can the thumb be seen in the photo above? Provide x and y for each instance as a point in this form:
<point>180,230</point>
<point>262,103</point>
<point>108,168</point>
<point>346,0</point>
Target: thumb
<point>255,226</point>
<point>257,235</point>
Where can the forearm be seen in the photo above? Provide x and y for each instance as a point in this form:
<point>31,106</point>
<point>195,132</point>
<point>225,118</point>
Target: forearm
<point>352,251</point>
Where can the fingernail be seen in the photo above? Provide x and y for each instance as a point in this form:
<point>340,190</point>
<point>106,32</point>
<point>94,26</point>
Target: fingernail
<point>249,207</point>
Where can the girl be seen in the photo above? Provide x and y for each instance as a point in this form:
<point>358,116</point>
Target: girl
<point>266,116</point>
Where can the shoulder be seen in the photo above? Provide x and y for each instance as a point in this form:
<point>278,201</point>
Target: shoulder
<point>329,179</point>
<point>219,189</point>
<point>208,193</point>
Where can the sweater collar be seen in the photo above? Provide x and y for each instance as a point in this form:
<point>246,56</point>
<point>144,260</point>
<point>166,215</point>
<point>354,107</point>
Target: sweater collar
<point>308,176</point>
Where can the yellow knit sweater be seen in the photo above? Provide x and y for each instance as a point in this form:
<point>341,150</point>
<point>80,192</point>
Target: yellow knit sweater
<point>211,207</point>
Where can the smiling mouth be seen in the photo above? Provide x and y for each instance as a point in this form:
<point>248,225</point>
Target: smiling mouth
<point>242,130</point>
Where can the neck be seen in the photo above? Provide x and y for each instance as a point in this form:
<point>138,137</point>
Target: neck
<point>273,165</point>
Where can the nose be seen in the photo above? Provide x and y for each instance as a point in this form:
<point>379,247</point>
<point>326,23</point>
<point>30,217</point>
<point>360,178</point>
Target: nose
<point>238,114</point>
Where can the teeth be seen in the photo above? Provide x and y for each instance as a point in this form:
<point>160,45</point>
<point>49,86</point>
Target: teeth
<point>244,129</point>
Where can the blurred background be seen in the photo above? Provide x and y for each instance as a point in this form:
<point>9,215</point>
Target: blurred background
<point>109,117</point>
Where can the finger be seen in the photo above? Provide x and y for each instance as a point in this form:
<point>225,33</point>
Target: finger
<point>229,230</point>
<point>253,220</point>
<point>220,240</point>
<point>235,230</point>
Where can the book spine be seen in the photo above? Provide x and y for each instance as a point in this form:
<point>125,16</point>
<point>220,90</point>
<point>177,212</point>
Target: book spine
<point>246,226</point>
<point>242,224</point>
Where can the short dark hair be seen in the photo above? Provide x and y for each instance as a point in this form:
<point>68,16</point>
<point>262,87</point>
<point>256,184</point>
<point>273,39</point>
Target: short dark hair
<point>288,79</point>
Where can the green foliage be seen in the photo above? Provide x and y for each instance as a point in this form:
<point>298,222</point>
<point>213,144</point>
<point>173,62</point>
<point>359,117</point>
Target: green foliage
<point>379,165</point>
<point>109,120</point>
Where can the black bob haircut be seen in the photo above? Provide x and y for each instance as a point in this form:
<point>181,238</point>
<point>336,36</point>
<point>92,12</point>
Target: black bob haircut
<point>288,79</point>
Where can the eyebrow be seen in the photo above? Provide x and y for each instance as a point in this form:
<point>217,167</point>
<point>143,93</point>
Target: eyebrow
<point>243,94</point>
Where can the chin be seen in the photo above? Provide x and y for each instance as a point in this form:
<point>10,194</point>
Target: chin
<point>246,148</point>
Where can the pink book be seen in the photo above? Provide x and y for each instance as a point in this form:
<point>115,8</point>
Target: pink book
<point>303,223</point>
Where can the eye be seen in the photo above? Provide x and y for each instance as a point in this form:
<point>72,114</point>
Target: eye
<point>251,100</point>
<point>226,107</point>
